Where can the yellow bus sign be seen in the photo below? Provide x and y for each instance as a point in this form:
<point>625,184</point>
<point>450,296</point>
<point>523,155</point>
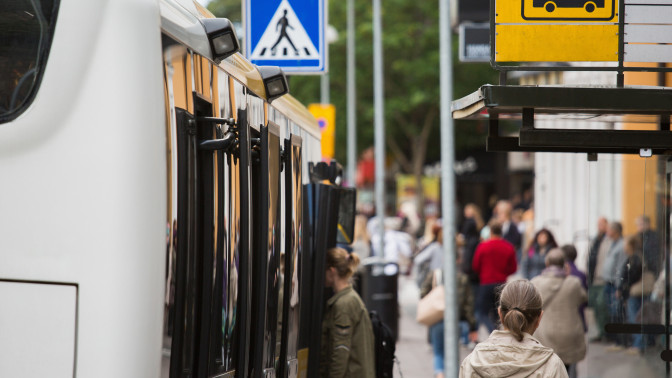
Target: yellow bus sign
<point>556,31</point>
<point>569,10</point>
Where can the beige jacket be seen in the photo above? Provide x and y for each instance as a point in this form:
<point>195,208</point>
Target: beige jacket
<point>501,355</point>
<point>561,327</point>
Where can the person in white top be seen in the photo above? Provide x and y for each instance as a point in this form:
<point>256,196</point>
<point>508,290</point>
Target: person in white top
<point>513,351</point>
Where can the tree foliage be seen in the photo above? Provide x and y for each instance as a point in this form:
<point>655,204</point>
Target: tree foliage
<point>411,79</point>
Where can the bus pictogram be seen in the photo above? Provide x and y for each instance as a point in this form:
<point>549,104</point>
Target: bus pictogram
<point>550,6</point>
<point>568,10</point>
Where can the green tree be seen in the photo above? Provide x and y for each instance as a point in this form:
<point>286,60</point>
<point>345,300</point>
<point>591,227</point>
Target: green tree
<point>411,80</point>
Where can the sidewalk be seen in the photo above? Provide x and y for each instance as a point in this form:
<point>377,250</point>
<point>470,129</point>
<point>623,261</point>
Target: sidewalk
<point>413,348</point>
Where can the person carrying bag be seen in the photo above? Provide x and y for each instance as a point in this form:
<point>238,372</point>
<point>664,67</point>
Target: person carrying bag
<point>432,305</point>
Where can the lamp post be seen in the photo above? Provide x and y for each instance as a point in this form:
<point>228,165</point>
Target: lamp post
<point>352,119</point>
<point>451,350</point>
<point>379,122</point>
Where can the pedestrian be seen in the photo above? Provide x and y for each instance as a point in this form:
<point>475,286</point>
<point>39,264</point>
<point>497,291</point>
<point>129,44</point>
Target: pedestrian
<point>570,258</point>
<point>510,232</point>
<point>599,249</point>
<point>430,258</point>
<point>494,261</point>
<point>347,335</point>
<point>361,240</point>
<point>513,351</point>
<point>562,296</point>
<point>651,251</point>
<point>611,273</point>
<point>534,260</point>
<point>636,285</point>
<point>467,324</point>
<point>398,244</point>
<point>470,235</point>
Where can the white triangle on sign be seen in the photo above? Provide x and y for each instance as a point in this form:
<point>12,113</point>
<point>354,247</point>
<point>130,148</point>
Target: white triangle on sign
<point>284,38</point>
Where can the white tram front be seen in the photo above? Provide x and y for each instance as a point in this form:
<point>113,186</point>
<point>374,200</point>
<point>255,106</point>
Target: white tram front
<point>160,211</point>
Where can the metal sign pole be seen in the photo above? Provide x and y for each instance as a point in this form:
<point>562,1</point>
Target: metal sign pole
<point>324,89</point>
<point>379,123</point>
<point>352,119</point>
<point>451,350</point>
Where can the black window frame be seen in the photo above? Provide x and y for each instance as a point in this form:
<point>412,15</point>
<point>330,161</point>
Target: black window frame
<point>288,363</point>
<point>265,250</point>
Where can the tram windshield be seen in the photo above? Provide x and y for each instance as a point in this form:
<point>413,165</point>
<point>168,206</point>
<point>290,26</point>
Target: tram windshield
<point>26,29</point>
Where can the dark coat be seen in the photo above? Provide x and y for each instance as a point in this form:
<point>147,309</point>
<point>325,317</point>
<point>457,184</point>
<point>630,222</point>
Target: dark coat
<point>653,257</point>
<point>592,257</point>
<point>471,239</point>
<point>513,236</point>
<point>631,273</point>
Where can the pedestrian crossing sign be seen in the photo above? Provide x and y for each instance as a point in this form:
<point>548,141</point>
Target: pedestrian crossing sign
<point>286,33</point>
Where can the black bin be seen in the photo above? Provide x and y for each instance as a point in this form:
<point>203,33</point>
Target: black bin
<point>377,282</point>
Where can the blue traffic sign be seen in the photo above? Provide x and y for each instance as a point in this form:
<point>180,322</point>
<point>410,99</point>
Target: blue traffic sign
<point>286,33</point>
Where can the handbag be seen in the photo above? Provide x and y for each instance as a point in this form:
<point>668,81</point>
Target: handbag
<point>432,305</point>
<point>643,286</point>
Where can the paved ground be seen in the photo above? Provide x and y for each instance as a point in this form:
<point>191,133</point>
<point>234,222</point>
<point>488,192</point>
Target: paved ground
<point>415,353</point>
<point>413,350</point>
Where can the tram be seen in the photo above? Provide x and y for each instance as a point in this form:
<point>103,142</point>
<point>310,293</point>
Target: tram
<point>163,208</point>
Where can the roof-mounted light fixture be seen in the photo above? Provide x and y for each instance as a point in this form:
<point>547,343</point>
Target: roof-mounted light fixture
<point>275,81</point>
<point>222,37</point>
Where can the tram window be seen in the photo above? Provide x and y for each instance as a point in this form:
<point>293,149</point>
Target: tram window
<point>346,215</point>
<point>26,30</point>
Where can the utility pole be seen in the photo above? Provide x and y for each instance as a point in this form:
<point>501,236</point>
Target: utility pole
<point>352,96</point>
<point>451,350</point>
<point>379,122</point>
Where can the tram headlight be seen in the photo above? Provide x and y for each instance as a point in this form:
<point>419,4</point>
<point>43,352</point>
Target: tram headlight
<point>222,37</point>
<point>275,81</point>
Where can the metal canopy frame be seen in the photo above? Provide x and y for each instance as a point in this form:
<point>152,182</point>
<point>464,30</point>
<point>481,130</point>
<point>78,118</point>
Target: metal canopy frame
<point>525,102</point>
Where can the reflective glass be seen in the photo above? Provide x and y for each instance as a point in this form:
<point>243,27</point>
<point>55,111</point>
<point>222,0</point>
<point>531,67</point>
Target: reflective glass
<point>26,30</point>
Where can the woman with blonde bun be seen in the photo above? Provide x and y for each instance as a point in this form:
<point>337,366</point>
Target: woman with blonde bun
<point>512,351</point>
<point>347,334</point>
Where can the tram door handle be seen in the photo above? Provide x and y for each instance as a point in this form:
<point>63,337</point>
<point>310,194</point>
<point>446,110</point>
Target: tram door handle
<point>226,144</point>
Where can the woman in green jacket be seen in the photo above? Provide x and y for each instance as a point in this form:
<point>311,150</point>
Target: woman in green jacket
<point>347,335</point>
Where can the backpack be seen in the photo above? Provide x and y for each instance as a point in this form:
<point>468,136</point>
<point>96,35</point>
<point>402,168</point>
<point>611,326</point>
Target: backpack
<point>384,346</point>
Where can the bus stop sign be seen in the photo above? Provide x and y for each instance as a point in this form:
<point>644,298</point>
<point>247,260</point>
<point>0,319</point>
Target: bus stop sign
<point>556,30</point>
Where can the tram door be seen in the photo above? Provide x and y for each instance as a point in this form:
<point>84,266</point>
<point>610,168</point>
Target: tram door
<point>266,248</point>
<point>288,366</point>
<point>208,319</point>
<point>321,204</point>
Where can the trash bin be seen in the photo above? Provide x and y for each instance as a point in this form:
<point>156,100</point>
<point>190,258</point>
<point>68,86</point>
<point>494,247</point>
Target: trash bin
<point>378,285</point>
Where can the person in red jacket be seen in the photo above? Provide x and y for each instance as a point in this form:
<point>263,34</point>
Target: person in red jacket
<point>494,261</point>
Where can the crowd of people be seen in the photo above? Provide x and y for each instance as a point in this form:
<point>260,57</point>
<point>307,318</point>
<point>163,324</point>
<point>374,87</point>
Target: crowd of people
<point>509,278</point>
<point>622,282</point>
<point>619,284</point>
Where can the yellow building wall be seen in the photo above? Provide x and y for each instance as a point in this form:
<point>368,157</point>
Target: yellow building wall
<point>640,185</point>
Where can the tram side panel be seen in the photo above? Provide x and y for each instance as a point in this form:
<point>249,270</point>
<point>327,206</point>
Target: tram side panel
<point>225,218</point>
